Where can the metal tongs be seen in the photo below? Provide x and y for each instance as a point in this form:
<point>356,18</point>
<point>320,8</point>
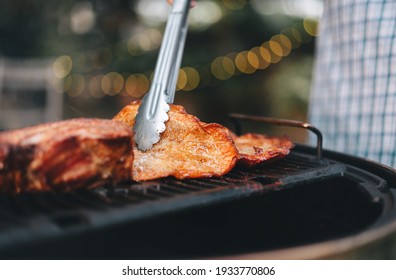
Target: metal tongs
<point>153,111</point>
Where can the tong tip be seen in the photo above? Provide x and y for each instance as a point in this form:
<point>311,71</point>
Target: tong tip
<point>147,130</point>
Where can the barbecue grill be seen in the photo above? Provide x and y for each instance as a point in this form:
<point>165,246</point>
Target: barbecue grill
<point>310,204</point>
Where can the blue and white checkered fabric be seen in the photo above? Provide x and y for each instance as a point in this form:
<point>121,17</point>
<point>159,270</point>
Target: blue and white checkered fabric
<point>353,97</point>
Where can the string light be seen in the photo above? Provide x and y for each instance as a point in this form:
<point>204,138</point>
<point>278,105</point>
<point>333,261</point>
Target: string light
<point>243,63</point>
<point>94,86</point>
<point>75,85</point>
<point>263,57</point>
<point>137,85</point>
<point>188,79</point>
<point>112,83</point>
<point>220,68</point>
<point>62,66</point>
<point>293,35</point>
<point>310,26</point>
<point>273,56</point>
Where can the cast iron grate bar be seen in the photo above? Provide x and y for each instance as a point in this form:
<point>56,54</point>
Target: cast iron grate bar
<point>141,195</point>
<point>175,189</point>
<point>159,192</point>
<point>187,185</point>
<point>87,201</point>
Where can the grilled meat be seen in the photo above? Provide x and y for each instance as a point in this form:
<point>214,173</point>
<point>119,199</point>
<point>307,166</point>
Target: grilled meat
<point>188,148</point>
<point>86,153</point>
<point>65,155</point>
<point>257,148</point>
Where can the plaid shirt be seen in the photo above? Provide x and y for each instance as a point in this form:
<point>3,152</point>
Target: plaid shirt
<point>353,95</point>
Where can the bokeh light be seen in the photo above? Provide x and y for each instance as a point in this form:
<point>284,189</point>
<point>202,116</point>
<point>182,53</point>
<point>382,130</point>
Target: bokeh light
<point>75,85</point>
<point>112,83</point>
<point>284,42</point>
<point>181,80</point>
<point>293,35</point>
<point>94,86</point>
<point>222,68</point>
<point>244,65</point>
<point>62,66</point>
<point>192,79</point>
<point>311,26</point>
<point>276,48</point>
<point>82,17</point>
<point>204,15</point>
<point>137,85</point>
<point>263,57</point>
<point>274,57</point>
<point>265,54</point>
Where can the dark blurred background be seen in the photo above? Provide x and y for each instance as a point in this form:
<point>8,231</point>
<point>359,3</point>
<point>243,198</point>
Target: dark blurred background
<point>70,58</point>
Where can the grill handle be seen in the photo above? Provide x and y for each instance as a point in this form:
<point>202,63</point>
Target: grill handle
<point>283,122</point>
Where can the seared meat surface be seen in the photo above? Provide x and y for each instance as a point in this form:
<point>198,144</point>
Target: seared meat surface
<point>188,148</point>
<point>65,155</point>
<point>257,148</point>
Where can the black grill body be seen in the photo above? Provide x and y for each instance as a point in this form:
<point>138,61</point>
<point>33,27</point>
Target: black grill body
<point>272,211</point>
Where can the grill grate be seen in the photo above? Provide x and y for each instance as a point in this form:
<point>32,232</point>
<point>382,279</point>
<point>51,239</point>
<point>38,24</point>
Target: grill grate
<point>15,208</point>
<point>34,216</point>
